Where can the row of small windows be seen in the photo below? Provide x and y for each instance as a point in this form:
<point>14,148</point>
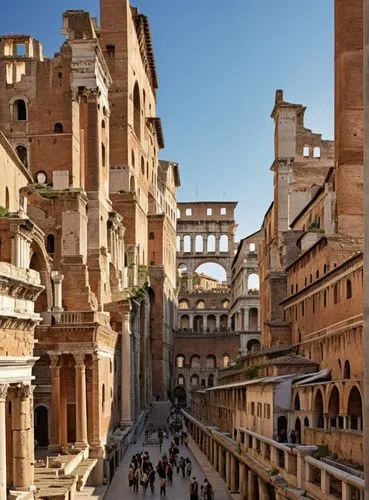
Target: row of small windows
<point>200,304</point>
<point>195,380</point>
<point>337,297</point>
<point>259,410</point>
<point>295,288</point>
<point>199,244</point>
<point>195,361</point>
<point>20,113</point>
<point>306,152</point>
<point>209,212</point>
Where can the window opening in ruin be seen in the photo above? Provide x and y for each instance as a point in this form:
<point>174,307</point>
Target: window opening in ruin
<point>252,247</point>
<point>181,379</point>
<point>346,370</point>
<point>306,152</point>
<point>187,244</point>
<point>22,154</point>
<point>7,198</point>
<point>147,170</point>
<point>180,359</point>
<point>151,236</point>
<point>225,304</point>
<point>200,304</point>
<point>209,211</point>
<point>199,244</point>
<point>58,128</point>
<point>252,408</point>
<point>137,111</point>
<point>20,110</point>
<point>195,380</point>
<point>133,162</point>
<point>142,166</point>
<point>50,244</point>
<point>223,243</point>
<point>110,50</point>
<point>335,293</point>
<point>210,361</point>
<point>183,304</point>
<point>253,282</point>
<point>226,360</point>
<point>211,243</point>
<point>21,49</point>
<point>103,398</point>
<point>316,152</point>
<point>348,289</point>
<point>223,211</point>
<point>325,298</point>
<point>188,211</point>
<point>211,380</point>
<point>178,213</point>
<point>103,155</point>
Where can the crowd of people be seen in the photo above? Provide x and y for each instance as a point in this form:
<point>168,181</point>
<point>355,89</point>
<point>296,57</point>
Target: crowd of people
<point>142,472</point>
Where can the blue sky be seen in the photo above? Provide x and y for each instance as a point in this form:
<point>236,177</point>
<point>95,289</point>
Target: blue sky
<point>219,64</point>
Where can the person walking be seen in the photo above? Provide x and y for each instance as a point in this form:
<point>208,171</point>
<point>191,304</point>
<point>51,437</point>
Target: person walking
<point>188,467</point>
<point>163,486</point>
<point>152,480</point>
<point>194,489</point>
<point>136,479</point>
<point>169,474</point>
<point>208,490</point>
<point>182,465</point>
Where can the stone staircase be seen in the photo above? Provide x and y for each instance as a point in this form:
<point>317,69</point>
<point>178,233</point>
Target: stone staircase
<point>60,477</point>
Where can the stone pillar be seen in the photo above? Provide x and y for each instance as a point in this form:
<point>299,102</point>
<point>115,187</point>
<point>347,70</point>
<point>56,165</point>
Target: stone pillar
<point>181,245</point>
<point>57,278</point>
<point>216,456</point>
<point>246,318</point>
<point>193,244</point>
<point>251,486</point>
<point>81,404</point>
<point>125,409</point>
<point>205,243</point>
<point>55,402</point>
<point>205,322</point>
<point>23,438</point>
<point>217,244</point>
<point>221,462</point>
<point>234,474</point>
<point>263,490</point>
<point>228,470</point>
<point>243,324</point>
<point>217,322</point>
<point>3,394</point>
<point>242,474</point>
<point>191,321</point>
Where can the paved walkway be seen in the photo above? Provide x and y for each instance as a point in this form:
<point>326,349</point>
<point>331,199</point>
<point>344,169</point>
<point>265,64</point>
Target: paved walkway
<point>119,489</point>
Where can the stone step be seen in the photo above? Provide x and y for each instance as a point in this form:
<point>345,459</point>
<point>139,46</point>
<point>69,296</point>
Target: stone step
<point>83,470</point>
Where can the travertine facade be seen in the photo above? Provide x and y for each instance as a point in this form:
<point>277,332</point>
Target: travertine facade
<point>102,215</point>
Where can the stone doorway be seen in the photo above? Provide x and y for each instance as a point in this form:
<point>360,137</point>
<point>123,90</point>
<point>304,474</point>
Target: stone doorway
<point>42,426</point>
<point>179,394</point>
<point>71,426</point>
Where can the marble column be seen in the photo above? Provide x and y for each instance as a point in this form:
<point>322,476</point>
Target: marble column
<point>81,403</point>
<point>3,394</point>
<point>125,408</point>
<point>23,438</point>
<point>55,401</point>
<point>57,279</point>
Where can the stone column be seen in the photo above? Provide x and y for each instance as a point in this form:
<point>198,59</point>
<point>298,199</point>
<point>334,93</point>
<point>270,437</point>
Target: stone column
<point>181,245</point>
<point>217,322</point>
<point>243,324</point>
<point>242,475</point>
<point>205,322</point>
<point>246,318</point>
<point>263,490</point>
<point>217,244</point>
<point>205,243</point>
<point>23,459</point>
<point>3,394</point>
<point>234,474</point>
<point>81,404</point>
<point>57,278</point>
<point>228,470</point>
<point>125,409</point>
<point>55,401</point>
<point>251,486</point>
<point>193,244</point>
<point>63,419</point>
<point>216,456</point>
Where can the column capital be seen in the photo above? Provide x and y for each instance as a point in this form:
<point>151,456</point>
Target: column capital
<point>79,358</point>
<point>23,391</point>
<point>3,391</point>
<point>54,359</point>
<point>57,277</point>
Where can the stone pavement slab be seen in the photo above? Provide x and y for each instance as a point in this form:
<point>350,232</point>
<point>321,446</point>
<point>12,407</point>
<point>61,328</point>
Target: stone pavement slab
<point>119,489</point>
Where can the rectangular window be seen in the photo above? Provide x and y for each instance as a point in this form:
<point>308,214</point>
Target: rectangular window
<point>110,50</point>
<point>209,211</point>
<point>21,49</point>
<point>223,211</point>
<point>188,211</point>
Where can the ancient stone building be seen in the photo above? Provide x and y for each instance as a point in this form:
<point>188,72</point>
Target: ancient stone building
<point>204,341</point>
<point>84,126</point>
<point>244,306</point>
<point>19,289</point>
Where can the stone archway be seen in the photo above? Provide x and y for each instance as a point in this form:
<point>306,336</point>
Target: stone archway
<point>41,424</point>
<point>179,394</point>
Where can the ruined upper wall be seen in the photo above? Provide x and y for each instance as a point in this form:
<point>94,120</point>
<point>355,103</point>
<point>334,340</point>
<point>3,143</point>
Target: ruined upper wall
<point>206,211</point>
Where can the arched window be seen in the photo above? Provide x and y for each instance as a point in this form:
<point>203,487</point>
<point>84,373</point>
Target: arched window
<point>103,155</point>
<point>137,111</point>
<point>306,152</point>
<point>7,198</point>
<point>211,243</point>
<point>335,293</point>
<point>252,247</point>
<point>132,184</point>
<point>187,244</point>
<point>347,370</point>
<point>225,304</point>
<point>306,422</point>
<point>211,323</point>
<point>223,322</point>
<point>185,322</point>
<point>178,243</point>
<point>20,110</point>
<point>142,166</point>
<point>180,360</point>
<point>297,405</point>
<point>194,379</point>
<point>181,379</point>
<point>133,160</point>
<point>211,380</point>
<point>226,360</point>
<point>183,304</point>
<point>253,318</point>
<point>211,361</point>
<point>348,289</point>
<point>253,282</point>
<point>198,323</point>
<point>334,407</point>
<point>318,408</point>
<point>50,243</point>
<point>200,304</point>
<point>195,362</point>
<point>223,243</point>
<point>316,152</point>
<point>58,128</point>
<point>22,154</point>
<point>199,243</point>
<point>103,397</point>
<point>355,409</point>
